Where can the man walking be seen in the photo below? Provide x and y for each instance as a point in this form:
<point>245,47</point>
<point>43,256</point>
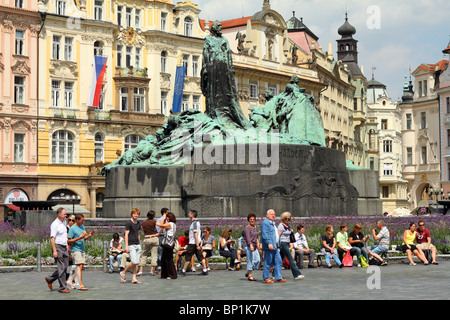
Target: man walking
<point>194,244</point>
<point>269,241</point>
<point>58,240</point>
<point>77,235</point>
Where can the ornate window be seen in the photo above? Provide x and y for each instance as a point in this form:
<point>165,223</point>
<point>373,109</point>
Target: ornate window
<point>19,90</point>
<point>63,143</point>
<point>188,26</point>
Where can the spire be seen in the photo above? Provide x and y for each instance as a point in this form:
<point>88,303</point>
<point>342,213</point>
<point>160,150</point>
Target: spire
<point>266,5</point>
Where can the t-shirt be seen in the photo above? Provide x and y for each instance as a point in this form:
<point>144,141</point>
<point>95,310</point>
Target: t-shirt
<point>133,235</point>
<point>384,238</point>
<point>250,236</point>
<point>285,233</point>
<point>422,237</point>
<point>149,227</point>
<point>342,239</point>
<point>183,241</point>
<point>74,232</point>
<point>329,241</point>
<point>194,228</point>
<point>358,236</point>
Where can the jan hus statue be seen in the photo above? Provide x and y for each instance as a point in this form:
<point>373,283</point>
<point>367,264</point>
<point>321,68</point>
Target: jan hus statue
<point>218,81</point>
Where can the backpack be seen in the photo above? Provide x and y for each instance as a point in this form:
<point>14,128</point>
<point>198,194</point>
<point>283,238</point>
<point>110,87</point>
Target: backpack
<point>374,262</point>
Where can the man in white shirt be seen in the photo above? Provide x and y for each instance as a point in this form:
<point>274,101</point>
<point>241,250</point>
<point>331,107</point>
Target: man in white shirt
<point>58,240</point>
<point>301,248</point>
<point>194,244</point>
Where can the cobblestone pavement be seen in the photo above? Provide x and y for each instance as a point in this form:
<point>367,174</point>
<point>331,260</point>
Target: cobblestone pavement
<point>394,281</point>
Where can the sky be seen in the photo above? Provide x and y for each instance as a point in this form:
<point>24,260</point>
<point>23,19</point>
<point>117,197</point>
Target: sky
<point>393,36</point>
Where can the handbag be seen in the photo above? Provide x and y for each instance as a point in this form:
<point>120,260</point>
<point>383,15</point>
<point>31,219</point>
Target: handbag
<point>364,263</point>
<point>168,241</point>
<point>348,260</point>
<point>292,237</point>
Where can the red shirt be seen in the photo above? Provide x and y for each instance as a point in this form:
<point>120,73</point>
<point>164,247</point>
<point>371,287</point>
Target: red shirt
<point>422,237</point>
<point>183,241</point>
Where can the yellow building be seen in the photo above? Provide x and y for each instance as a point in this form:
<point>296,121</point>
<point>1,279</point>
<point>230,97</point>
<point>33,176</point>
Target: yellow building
<point>143,42</point>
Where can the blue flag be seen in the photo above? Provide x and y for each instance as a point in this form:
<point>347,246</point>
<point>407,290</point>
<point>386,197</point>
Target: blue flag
<point>178,91</point>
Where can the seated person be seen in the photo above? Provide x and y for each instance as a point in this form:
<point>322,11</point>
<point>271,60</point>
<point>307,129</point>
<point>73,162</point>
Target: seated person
<point>342,242</point>
<point>357,241</point>
<point>226,249</point>
<point>408,246</point>
<point>301,248</point>
<point>115,251</point>
<point>423,239</point>
<point>207,243</point>
<point>383,238</point>
<point>183,241</point>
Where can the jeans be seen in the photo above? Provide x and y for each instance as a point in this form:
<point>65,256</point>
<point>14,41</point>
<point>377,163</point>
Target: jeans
<point>334,256</point>
<point>253,259</point>
<point>361,251</point>
<point>379,249</point>
<point>286,252</point>
<point>111,261</point>
<point>272,258</point>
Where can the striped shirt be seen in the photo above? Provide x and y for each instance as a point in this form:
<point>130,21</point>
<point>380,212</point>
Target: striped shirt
<point>384,238</point>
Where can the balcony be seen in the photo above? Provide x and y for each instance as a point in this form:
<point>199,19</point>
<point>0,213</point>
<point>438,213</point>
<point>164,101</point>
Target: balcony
<point>64,113</point>
<point>98,114</point>
<point>131,72</point>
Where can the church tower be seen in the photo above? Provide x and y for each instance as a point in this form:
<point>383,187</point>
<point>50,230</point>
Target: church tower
<point>347,47</point>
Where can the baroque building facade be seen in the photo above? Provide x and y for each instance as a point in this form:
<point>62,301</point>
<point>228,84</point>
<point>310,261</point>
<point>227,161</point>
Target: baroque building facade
<point>143,42</point>
<point>387,140</point>
<point>19,30</point>
<point>421,134</point>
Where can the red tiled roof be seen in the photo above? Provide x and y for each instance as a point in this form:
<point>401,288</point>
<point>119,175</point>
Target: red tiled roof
<point>440,66</point>
<point>235,22</point>
<point>227,24</point>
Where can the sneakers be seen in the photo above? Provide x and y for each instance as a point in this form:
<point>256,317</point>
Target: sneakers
<point>384,263</point>
<point>299,277</point>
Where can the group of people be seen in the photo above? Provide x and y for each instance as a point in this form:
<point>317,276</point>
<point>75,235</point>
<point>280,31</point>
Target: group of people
<point>67,238</point>
<point>271,246</point>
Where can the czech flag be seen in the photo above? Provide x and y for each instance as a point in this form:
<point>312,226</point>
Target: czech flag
<point>95,89</point>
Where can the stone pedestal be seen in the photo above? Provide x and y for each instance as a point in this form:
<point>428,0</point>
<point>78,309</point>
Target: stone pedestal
<point>308,181</point>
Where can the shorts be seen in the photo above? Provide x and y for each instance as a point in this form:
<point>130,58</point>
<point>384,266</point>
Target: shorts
<point>378,249</point>
<point>135,253</point>
<point>191,250</point>
<point>424,245</point>
<point>404,247</point>
<point>78,257</point>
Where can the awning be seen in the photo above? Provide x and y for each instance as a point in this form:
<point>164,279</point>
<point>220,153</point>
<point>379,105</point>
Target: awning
<point>71,209</point>
<point>12,207</point>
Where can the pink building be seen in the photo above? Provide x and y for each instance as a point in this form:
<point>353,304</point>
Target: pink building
<point>443,91</point>
<point>19,30</point>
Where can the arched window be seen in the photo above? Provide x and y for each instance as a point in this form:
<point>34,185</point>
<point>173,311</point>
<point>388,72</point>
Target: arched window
<point>99,147</point>
<point>131,141</point>
<point>63,143</point>
<point>164,62</point>
<point>188,26</point>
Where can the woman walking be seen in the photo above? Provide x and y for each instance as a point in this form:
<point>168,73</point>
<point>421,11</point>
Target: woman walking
<point>251,245</point>
<point>168,270</point>
<point>285,243</point>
